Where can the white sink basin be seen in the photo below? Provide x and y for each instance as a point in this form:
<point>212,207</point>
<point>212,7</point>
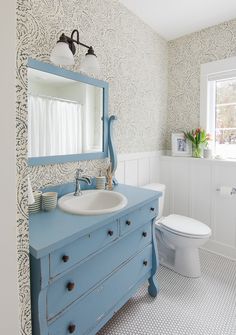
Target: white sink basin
<point>92,202</point>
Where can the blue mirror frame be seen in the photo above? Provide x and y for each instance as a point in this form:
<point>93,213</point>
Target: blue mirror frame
<point>45,67</point>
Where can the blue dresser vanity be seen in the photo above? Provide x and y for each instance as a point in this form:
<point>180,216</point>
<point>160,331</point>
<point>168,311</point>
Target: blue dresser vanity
<point>85,268</point>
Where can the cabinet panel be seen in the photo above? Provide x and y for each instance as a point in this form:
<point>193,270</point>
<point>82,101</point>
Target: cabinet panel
<point>88,311</point>
<point>141,216</point>
<point>62,293</point>
<point>64,258</point>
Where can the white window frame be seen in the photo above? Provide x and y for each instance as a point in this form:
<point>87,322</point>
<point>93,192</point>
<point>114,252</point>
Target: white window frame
<point>210,72</point>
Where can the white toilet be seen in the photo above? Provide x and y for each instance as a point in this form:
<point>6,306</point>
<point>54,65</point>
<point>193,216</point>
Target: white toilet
<point>178,239</point>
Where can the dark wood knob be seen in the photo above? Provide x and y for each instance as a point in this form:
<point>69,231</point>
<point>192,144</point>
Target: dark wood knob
<point>144,234</point>
<point>65,258</point>
<point>110,232</point>
<point>71,328</point>
<point>152,209</point>
<point>70,286</point>
<point>128,222</point>
<point>145,263</point>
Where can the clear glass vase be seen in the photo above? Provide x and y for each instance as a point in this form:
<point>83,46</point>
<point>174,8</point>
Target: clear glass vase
<point>197,151</point>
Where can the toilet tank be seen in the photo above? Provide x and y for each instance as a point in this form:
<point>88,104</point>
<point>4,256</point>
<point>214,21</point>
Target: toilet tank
<point>160,188</point>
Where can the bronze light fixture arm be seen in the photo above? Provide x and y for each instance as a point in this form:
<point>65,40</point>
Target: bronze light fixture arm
<point>71,40</point>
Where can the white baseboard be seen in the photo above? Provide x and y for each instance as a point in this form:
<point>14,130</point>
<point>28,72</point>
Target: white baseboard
<point>220,249</point>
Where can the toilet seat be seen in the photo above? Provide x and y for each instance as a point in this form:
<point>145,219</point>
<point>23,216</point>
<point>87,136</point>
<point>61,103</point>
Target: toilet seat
<point>184,226</point>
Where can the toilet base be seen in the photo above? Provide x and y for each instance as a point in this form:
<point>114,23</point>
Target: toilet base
<point>187,265</point>
<point>184,261</point>
<point>187,262</point>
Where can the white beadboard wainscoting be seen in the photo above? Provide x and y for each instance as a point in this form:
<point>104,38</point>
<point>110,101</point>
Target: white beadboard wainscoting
<point>138,169</point>
<point>192,191</point>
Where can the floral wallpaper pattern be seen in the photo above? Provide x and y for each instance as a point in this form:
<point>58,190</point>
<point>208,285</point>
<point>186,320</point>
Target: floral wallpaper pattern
<point>186,54</point>
<point>133,60</point>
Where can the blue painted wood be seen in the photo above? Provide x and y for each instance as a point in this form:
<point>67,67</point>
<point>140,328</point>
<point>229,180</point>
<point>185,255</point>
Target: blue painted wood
<point>118,305</point>
<point>49,68</point>
<point>111,146</point>
<point>82,248</point>
<point>64,228</point>
<point>134,219</point>
<point>39,282</point>
<point>153,288</point>
<point>85,315</point>
<point>97,268</point>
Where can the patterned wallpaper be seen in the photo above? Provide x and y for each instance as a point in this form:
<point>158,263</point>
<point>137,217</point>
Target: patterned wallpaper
<point>186,54</point>
<point>133,60</point>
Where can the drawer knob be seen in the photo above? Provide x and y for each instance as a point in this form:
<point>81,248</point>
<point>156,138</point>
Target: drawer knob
<point>70,286</point>
<point>65,258</point>
<point>145,263</point>
<point>144,234</point>
<point>71,328</point>
<point>152,209</point>
<point>110,232</point>
<point>128,222</point>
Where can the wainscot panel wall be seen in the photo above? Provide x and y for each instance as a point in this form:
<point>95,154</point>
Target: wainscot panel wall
<point>186,54</point>
<point>133,60</point>
<point>138,169</point>
<point>192,190</point>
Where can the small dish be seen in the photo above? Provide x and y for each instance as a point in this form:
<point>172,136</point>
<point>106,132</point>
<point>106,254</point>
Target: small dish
<point>49,201</point>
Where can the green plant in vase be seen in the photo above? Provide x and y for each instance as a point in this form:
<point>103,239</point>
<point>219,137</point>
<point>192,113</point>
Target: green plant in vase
<point>199,139</point>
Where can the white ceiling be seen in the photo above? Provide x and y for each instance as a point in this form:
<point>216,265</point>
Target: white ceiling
<point>175,18</point>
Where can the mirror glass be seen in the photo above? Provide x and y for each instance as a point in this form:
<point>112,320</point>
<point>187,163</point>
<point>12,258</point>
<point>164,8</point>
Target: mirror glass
<point>65,115</point>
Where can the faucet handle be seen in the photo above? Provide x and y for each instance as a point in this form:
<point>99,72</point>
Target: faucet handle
<point>78,173</point>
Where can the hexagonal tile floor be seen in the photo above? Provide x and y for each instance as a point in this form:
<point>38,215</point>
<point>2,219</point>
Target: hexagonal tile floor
<point>184,306</point>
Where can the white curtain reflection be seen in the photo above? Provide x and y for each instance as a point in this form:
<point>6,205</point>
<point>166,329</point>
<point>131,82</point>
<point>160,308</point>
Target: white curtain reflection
<point>55,127</point>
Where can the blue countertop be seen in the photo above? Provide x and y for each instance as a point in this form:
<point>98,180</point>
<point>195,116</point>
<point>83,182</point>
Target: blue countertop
<point>51,230</point>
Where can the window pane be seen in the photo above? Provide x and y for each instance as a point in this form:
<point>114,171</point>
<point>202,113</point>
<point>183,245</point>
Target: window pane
<point>225,122</point>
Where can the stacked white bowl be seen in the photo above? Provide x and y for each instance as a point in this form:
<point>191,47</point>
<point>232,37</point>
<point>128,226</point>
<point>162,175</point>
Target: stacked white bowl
<point>49,201</point>
<point>100,183</point>
<point>36,206</point>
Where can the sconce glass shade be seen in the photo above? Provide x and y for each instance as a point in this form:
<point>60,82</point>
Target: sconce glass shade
<point>61,54</point>
<point>90,64</point>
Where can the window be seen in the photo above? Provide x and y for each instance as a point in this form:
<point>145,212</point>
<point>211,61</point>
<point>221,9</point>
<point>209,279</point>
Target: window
<point>218,105</point>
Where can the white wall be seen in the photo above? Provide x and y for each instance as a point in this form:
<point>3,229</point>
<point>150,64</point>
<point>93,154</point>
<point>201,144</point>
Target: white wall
<point>8,279</point>
<point>192,191</point>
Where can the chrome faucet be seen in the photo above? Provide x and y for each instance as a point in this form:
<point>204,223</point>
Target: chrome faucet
<point>78,179</point>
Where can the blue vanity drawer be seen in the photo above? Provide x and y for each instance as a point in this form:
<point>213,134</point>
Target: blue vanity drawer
<point>62,259</point>
<point>140,216</point>
<point>75,283</point>
<point>88,311</point>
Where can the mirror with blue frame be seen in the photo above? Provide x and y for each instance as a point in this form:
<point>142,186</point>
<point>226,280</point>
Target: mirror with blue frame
<point>67,115</point>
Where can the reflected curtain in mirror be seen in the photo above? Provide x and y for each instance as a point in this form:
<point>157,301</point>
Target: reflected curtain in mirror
<point>55,127</point>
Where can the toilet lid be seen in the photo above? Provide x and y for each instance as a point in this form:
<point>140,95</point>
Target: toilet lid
<point>185,225</point>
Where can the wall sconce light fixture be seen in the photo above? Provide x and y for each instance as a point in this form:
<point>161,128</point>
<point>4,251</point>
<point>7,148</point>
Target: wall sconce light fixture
<point>64,50</point>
